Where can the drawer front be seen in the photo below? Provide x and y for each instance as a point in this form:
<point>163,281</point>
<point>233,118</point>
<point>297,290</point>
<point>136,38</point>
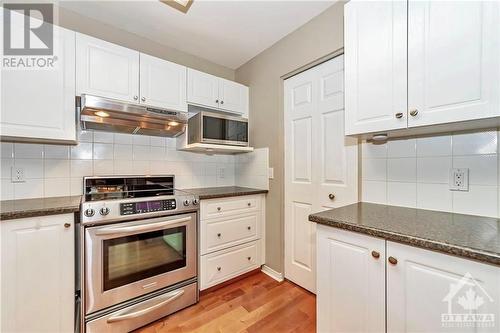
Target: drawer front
<point>217,208</point>
<point>223,233</point>
<point>220,266</point>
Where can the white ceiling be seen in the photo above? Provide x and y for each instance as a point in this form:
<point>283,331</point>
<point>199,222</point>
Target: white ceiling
<point>228,32</point>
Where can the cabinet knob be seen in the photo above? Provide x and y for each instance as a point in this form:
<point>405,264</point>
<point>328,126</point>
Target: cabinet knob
<point>375,254</point>
<point>249,204</point>
<point>249,258</point>
<point>219,268</point>
<point>143,99</point>
<point>219,235</point>
<point>67,225</point>
<point>249,228</point>
<point>136,98</point>
<point>218,209</point>
<point>399,115</point>
<point>331,196</point>
<point>217,101</point>
<point>221,102</point>
<point>413,112</point>
<point>393,261</point>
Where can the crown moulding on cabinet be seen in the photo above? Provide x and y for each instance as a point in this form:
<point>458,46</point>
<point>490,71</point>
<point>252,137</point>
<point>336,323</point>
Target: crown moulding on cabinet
<point>180,5</point>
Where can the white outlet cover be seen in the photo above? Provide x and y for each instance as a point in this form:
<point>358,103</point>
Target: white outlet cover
<point>459,179</point>
<point>271,173</point>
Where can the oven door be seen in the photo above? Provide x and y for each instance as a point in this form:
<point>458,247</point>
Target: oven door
<point>130,259</point>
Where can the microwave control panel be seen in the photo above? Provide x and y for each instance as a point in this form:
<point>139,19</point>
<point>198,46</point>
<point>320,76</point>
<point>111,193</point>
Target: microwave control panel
<point>131,208</point>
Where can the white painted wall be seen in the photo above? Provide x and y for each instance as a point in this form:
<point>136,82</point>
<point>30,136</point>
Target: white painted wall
<point>251,170</point>
<point>414,172</point>
<point>55,170</point>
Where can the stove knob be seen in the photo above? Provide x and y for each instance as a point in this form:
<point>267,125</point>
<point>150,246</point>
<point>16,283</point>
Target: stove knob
<point>89,212</point>
<point>195,201</point>
<point>186,202</point>
<point>104,211</point>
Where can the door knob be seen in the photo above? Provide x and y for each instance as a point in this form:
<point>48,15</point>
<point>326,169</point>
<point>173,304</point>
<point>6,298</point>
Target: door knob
<point>375,254</point>
<point>413,112</point>
<point>393,261</point>
<point>67,225</point>
<point>399,115</point>
<point>331,196</point>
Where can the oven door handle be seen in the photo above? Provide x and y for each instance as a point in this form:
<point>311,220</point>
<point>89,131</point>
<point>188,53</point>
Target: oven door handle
<point>138,228</point>
<point>142,311</point>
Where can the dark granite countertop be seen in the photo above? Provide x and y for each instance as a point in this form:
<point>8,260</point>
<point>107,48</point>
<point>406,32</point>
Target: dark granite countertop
<point>468,236</point>
<point>222,192</point>
<point>16,209</point>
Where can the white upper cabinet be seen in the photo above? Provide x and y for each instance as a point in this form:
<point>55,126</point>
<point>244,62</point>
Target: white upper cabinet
<point>202,89</point>
<point>375,66</point>
<point>453,61</point>
<point>162,83</point>
<point>107,70</point>
<point>39,105</point>
<point>233,96</point>
<point>213,92</point>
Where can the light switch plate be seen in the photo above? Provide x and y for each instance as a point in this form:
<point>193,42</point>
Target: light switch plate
<point>459,179</point>
<point>17,175</point>
<point>271,173</point>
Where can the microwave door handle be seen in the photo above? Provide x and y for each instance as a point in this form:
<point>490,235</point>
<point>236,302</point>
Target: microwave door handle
<point>139,228</point>
<point>137,311</point>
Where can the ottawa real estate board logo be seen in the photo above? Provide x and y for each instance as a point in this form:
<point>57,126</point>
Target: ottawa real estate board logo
<point>28,36</point>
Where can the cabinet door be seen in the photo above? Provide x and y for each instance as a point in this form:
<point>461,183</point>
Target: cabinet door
<point>202,89</point>
<point>233,97</point>
<point>106,70</point>
<point>350,282</point>
<point>37,275</point>
<point>40,104</point>
<point>453,61</point>
<point>425,287</point>
<point>375,66</point>
<point>162,83</point>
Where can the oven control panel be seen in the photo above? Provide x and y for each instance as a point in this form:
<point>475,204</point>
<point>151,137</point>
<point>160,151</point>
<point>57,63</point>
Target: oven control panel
<point>140,207</point>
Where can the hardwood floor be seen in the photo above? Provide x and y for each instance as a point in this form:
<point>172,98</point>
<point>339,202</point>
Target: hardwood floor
<point>255,304</point>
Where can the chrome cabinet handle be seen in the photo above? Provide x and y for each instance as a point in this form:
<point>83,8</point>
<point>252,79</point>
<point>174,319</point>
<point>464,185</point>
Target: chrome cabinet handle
<point>136,98</point>
<point>393,261</point>
<point>413,112</point>
<point>143,99</point>
<point>399,115</point>
<point>331,196</point>
<point>375,254</point>
<point>167,298</point>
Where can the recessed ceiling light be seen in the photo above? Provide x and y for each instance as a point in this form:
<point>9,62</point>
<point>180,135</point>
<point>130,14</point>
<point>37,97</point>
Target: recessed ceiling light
<point>173,123</point>
<point>180,5</point>
<point>101,114</point>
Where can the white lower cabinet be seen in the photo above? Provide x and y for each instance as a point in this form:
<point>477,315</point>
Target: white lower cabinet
<point>38,274</point>
<point>405,289</point>
<point>231,237</point>
<point>350,282</point>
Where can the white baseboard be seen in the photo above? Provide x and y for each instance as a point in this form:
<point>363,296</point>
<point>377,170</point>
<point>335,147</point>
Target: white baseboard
<point>272,273</point>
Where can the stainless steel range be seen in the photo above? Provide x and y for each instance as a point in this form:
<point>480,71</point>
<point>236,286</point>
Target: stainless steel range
<point>138,248</point>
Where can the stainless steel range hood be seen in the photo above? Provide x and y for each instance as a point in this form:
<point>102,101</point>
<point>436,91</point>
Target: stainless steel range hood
<point>110,115</point>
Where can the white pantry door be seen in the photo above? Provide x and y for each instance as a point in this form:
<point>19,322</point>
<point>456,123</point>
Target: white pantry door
<point>319,161</point>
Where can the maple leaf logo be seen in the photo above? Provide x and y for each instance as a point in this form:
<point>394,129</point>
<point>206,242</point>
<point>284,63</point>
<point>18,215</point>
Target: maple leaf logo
<point>471,301</point>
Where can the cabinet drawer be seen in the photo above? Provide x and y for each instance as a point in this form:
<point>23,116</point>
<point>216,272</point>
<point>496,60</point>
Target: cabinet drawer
<point>216,208</point>
<point>222,233</point>
<point>223,265</point>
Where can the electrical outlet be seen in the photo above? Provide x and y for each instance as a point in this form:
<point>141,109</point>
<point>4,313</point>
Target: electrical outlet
<point>17,175</point>
<point>222,173</point>
<point>459,179</point>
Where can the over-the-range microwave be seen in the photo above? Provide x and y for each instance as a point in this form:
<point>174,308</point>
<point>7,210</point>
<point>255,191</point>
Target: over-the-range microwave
<point>215,128</point>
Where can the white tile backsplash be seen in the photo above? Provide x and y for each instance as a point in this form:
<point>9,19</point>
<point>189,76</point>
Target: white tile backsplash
<point>418,169</point>
<point>55,170</point>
